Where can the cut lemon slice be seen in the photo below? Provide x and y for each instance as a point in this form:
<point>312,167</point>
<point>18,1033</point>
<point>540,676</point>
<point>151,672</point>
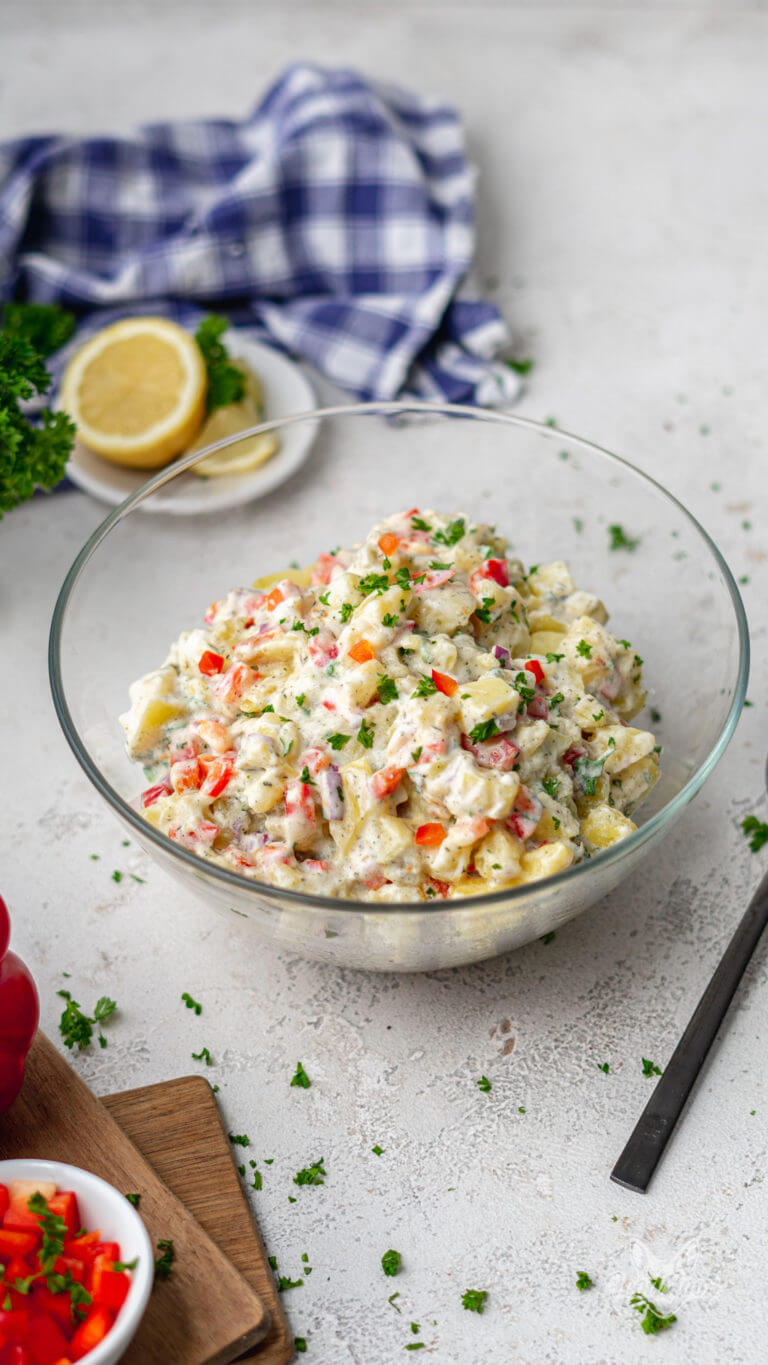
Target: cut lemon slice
<point>136,392</point>
<point>245,455</point>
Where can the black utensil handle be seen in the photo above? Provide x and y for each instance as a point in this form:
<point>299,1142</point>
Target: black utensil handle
<point>645,1148</point>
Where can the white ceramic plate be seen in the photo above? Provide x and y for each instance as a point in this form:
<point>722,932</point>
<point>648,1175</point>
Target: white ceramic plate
<point>286,391</point>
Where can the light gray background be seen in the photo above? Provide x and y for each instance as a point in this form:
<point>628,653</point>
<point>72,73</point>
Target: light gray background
<point>623,214</point>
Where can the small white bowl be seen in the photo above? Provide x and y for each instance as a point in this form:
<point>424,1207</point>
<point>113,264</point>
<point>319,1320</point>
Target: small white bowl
<point>101,1206</point>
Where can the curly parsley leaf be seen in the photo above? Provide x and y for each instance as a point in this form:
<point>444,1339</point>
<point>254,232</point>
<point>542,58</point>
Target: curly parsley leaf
<point>583,1280</point>
<point>312,1174</point>
<point>391,1262</point>
<point>226,382</point>
<point>165,1260</point>
<point>300,1077</point>
<point>30,456</point>
<point>474,1300</point>
<point>758,830</point>
<point>484,1084</point>
<point>652,1321</point>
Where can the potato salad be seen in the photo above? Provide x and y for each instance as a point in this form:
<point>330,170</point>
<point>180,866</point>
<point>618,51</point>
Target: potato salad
<point>416,717</point>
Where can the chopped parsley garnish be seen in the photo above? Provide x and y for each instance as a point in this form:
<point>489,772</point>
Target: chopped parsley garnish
<point>653,1321</point>
<point>474,1300</point>
<point>345,611</point>
<point>305,777</point>
<point>587,770</point>
<point>389,620</point>
<point>554,658</point>
<point>435,563</point>
<point>556,700</point>
<point>484,1084</point>
<point>117,876</point>
<point>454,532</point>
<point>424,688</point>
<point>191,1004</point>
<point>165,1260</point>
<point>650,1068</point>
<point>403,577</point>
<point>547,938</point>
<point>386,690</point>
<point>419,524</point>
<point>300,1077</point>
<point>750,825</point>
<point>659,1284</point>
<point>240,1139</point>
<point>377,1150</point>
<point>390,1262</point>
<point>203,1056</point>
<point>578,525</point>
<point>134,1199</point>
<point>284,1282</point>
<point>551,786</point>
<point>301,697</point>
<point>527,692</point>
<point>268,708</point>
<point>226,382</point>
<point>373,582</point>
<point>655,715</point>
<point>325,597</point>
<point>619,540</point>
<point>596,716</point>
<point>392,1298</point>
<point>483,613</point>
<point>300,1345</point>
<point>365,735</point>
<point>584,649</point>
<point>416,753</point>
<point>312,1174</point>
<point>485,729</point>
<point>583,1280</point>
<point>520,366</point>
<point>415,1346</point>
<point>77,1027</point>
<point>603,1066</point>
<point>337,741</point>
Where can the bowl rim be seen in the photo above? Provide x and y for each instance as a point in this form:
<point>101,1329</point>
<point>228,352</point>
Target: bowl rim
<point>262,890</point>
<point>68,1176</point>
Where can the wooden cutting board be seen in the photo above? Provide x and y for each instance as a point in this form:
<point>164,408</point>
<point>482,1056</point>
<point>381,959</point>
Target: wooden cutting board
<point>176,1126</point>
<point>206,1313</point>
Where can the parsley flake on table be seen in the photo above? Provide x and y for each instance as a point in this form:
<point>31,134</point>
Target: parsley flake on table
<point>300,1345</point>
<point>603,1066</point>
<point>312,1174</point>
<point>134,1199</point>
<point>415,1346</point>
<point>117,876</point>
<point>583,1280</point>
<point>521,367</point>
<point>164,1262</point>
<point>377,1150</point>
<point>77,1028</point>
<point>240,1139</point>
<point>659,1284</point>
<point>202,1056</point>
<point>284,1282</point>
<point>300,1077</point>
<point>758,830</point>
<point>547,938</point>
<point>365,735</point>
<point>619,540</point>
<point>474,1299</point>
<point>191,1004</point>
<point>391,1262</point>
<point>653,1321</point>
<point>387,690</point>
<point>484,1084</point>
<point>650,1068</point>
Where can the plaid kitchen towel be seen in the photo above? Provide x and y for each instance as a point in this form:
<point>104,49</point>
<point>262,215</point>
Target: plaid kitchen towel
<point>337,221</point>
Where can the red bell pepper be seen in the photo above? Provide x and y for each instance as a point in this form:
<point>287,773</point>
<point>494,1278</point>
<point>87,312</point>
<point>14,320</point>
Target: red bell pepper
<point>19,1013</point>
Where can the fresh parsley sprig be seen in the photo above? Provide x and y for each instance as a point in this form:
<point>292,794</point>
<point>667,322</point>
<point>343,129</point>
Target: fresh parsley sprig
<point>226,382</point>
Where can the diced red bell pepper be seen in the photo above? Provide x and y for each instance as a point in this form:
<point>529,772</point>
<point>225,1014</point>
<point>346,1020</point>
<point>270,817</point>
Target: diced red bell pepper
<point>83,1248</point>
<point>444,683</point>
<point>231,685</point>
<point>18,1015</point>
<point>533,666</point>
<point>14,1244</point>
<point>498,752</point>
<point>109,1286</point>
<point>46,1342</point>
<point>362,652</point>
<point>442,888</point>
<point>323,570</point>
<point>187,775</point>
<point>385,781</point>
<point>498,570</point>
<point>58,1306</point>
<point>435,578</point>
<point>300,801</point>
<point>64,1205</point>
<point>526,814</point>
<point>14,1323</point>
<point>430,835</point>
<point>15,1355</point>
<point>91,1331</point>
<point>210,663</point>
<point>3,1199</point>
<point>153,794</point>
<point>109,1249</point>
<point>218,773</point>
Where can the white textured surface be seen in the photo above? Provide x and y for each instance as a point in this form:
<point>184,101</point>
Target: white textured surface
<point>623,213</point>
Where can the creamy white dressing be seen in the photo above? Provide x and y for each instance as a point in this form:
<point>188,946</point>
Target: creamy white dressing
<point>410,718</point>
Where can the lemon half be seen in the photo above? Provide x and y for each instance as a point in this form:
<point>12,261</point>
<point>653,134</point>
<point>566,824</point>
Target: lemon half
<point>136,392</point>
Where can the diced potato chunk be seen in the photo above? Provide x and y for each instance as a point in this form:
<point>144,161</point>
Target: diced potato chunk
<point>486,699</point>
<point>546,861</point>
<point>604,825</point>
<point>301,577</point>
<point>498,856</point>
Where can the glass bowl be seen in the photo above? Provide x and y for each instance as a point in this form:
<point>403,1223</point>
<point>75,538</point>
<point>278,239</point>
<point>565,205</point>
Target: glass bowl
<point>141,579</point>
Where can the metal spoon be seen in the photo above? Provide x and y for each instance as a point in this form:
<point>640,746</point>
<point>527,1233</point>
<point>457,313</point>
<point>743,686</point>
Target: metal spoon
<point>646,1146</point>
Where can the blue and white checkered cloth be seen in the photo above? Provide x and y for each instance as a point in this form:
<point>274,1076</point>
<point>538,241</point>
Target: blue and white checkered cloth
<point>337,221</point>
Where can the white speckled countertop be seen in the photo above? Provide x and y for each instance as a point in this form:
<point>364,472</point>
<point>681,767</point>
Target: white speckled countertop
<point>624,209</point>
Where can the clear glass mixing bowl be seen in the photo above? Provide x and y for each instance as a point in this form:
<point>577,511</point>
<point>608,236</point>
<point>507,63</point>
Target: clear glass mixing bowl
<point>141,579</point>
